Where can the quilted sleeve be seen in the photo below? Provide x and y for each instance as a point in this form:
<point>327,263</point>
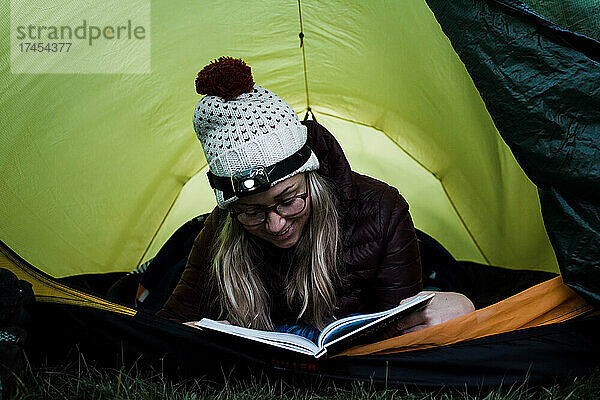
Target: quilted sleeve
<point>196,294</point>
<point>399,272</point>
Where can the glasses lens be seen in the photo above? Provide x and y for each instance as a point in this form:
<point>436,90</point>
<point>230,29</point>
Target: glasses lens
<point>291,207</point>
<point>251,218</point>
<point>288,208</point>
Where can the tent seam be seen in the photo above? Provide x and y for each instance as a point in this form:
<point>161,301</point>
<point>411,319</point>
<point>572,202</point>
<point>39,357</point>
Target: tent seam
<point>166,216</point>
<point>462,221</point>
<point>301,35</point>
<point>382,131</point>
<point>436,176</point>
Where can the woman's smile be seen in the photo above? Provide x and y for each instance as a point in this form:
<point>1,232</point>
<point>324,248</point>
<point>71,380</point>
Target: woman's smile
<point>286,233</point>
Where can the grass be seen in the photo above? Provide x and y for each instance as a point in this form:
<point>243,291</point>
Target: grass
<point>82,381</point>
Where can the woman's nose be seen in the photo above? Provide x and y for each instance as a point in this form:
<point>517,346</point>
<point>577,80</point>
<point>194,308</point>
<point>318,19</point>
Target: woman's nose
<point>274,222</point>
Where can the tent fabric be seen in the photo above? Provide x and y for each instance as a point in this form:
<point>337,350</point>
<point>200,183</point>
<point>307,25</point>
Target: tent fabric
<point>536,355</point>
<point>539,355</point>
<point>579,16</point>
<point>98,170</point>
<point>48,290</point>
<point>555,337</point>
<point>541,85</point>
<point>99,174</point>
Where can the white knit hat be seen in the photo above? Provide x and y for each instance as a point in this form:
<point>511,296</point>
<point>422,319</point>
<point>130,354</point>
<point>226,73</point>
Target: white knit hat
<point>251,141</point>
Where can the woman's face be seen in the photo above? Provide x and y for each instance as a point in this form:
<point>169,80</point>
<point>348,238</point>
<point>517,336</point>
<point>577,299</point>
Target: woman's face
<point>283,232</point>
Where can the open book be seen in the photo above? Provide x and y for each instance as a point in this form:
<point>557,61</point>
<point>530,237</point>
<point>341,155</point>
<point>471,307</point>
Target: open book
<point>339,334</point>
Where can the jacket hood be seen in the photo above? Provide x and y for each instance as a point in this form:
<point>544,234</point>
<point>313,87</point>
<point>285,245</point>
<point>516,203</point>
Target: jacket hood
<point>333,162</point>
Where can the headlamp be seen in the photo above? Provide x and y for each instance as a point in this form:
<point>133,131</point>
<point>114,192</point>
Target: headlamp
<point>259,179</point>
<point>252,180</point>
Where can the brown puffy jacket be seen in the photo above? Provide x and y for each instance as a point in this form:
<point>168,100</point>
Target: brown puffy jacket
<point>381,255</point>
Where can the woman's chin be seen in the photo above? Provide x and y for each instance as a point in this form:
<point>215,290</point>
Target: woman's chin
<point>285,244</point>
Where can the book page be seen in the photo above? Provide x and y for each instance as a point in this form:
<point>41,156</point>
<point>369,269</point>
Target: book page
<point>352,322</point>
<point>287,341</point>
<point>369,324</point>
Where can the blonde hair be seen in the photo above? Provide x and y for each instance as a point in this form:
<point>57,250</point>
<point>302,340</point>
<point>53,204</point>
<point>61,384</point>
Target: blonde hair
<point>313,275</point>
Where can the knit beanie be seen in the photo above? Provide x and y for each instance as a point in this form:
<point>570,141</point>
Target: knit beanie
<point>251,138</point>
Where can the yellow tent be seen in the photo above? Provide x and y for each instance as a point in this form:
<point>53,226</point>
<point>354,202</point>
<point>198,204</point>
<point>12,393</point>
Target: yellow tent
<point>99,165</point>
<point>99,168</point>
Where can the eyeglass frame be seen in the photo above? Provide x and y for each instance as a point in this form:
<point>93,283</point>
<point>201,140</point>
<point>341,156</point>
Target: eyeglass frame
<point>303,196</point>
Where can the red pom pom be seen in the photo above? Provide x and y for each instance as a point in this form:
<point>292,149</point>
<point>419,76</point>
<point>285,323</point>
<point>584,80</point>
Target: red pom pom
<point>226,77</point>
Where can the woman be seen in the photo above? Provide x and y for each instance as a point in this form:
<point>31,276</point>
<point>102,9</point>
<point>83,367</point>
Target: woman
<point>298,238</point>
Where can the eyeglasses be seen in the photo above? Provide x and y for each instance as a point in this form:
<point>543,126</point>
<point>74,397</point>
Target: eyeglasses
<point>287,208</point>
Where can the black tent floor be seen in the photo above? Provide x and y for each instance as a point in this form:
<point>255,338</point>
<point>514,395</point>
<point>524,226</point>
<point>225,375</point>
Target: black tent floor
<point>113,336</point>
<point>537,355</point>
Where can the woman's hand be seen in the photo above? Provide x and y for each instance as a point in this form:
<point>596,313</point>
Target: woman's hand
<point>443,307</point>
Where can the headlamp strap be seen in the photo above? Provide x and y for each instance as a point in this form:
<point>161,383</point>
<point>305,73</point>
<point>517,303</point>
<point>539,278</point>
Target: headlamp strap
<point>239,184</point>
